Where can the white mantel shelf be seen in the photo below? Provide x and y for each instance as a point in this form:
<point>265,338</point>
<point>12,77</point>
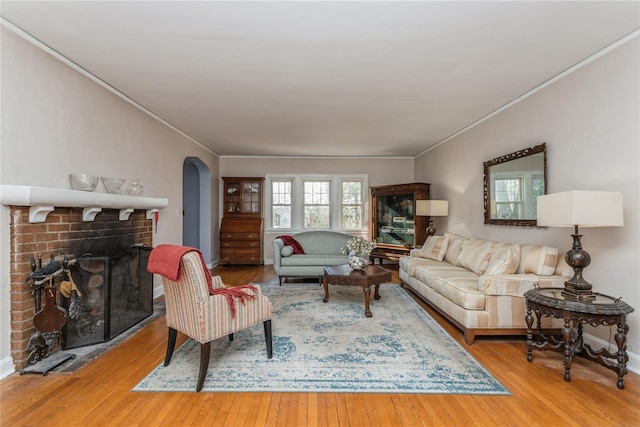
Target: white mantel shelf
<point>43,200</point>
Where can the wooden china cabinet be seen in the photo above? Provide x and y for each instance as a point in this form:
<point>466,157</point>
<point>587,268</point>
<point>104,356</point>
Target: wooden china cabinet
<point>394,225</point>
<point>241,232</point>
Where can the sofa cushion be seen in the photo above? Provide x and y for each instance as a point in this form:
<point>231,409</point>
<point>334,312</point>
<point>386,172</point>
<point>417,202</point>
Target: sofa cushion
<point>475,255</point>
<point>287,251</point>
<point>322,242</point>
<point>538,259</point>
<point>409,263</point>
<point>454,247</point>
<point>504,259</point>
<point>435,247</point>
<point>562,268</point>
<point>507,284</point>
<point>317,260</point>
<point>291,241</point>
<point>457,284</point>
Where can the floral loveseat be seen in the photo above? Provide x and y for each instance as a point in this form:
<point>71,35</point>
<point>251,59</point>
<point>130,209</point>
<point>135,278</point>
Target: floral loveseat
<point>478,284</point>
<point>321,249</point>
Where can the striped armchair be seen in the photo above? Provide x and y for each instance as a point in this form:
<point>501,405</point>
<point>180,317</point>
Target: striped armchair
<point>191,310</point>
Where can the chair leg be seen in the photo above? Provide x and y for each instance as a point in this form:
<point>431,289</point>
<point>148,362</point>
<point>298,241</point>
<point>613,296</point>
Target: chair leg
<point>171,345</point>
<point>268,338</point>
<point>205,352</point>
<point>230,337</point>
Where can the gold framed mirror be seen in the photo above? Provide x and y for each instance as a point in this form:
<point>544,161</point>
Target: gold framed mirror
<point>512,184</point>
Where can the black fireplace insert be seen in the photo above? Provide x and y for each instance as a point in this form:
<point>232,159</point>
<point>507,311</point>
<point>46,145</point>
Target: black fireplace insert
<point>116,293</point>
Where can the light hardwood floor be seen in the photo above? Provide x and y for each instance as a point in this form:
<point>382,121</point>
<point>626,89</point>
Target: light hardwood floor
<point>99,394</point>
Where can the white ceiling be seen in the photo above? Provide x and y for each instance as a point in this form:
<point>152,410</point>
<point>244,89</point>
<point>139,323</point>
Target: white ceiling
<point>323,78</point>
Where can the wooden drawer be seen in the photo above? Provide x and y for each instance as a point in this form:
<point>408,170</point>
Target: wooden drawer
<point>241,241</point>
<point>239,251</point>
<point>239,244</point>
<point>239,236</point>
<point>240,259</point>
<point>242,225</point>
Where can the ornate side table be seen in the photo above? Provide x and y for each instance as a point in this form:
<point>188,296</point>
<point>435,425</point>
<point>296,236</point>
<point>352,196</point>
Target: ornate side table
<point>603,310</point>
<point>371,275</point>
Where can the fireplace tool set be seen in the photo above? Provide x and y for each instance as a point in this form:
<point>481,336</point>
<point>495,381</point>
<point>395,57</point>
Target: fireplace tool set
<point>50,319</point>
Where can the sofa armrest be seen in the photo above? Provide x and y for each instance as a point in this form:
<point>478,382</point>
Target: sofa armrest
<point>507,284</point>
<point>554,281</point>
<point>278,244</point>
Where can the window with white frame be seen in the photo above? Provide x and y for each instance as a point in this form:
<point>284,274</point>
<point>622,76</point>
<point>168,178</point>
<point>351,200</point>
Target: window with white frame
<point>351,206</point>
<point>317,204</point>
<point>306,202</point>
<point>281,203</point>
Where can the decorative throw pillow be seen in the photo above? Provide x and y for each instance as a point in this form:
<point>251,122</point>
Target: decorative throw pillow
<point>290,241</point>
<point>435,247</point>
<point>454,247</point>
<point>475,255</point>
<point>538,259</point>
<point>286,251</point>
<point>504,259</point>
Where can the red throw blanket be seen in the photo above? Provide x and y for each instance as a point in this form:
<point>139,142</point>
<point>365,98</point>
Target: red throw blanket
<point>290,241</point>
<point>165,260</point>
<point>235,292</point>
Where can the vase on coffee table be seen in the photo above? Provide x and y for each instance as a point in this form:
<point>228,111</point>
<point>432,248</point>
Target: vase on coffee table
<point>358,262</point>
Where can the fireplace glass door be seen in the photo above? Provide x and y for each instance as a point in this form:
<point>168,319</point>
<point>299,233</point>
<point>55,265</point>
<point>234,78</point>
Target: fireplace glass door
<point>116,293</point>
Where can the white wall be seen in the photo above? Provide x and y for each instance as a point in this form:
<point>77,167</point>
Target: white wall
<point>590,121</point>
<point>55,121</point>
<point>380,172</point>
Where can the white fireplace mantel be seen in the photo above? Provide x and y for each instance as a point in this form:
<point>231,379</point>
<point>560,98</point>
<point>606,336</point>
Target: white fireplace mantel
<point>42,201</point>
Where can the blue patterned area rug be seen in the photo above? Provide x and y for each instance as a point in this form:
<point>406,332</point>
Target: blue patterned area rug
<point>333,347</point>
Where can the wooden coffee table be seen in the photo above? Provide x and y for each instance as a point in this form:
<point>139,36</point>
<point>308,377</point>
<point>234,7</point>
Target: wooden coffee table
<point>371,275</point>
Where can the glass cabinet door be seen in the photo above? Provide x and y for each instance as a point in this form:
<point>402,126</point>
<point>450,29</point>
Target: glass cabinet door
<point>395,222</point>
<point>243,197</point>
<point>251,197</point>
<point>233,197</point>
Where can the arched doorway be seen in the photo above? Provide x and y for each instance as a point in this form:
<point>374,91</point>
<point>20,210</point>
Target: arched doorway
<point>196,206</point>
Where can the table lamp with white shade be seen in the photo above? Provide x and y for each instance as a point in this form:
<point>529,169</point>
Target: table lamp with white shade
<point>580,209</point>
<point>432,208</point>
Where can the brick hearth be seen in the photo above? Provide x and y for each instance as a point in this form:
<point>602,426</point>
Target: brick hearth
<point>60,234</point>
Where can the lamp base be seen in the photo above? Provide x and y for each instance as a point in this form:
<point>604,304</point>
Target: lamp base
<point>431,230</point>
<point>577,288</point>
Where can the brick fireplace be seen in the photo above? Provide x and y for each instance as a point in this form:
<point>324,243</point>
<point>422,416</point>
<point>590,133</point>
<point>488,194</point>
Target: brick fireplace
<point>65,230</point>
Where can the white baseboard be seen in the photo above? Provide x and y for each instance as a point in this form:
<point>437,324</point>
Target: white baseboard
<point>158,291</point>
<point>6,367</point>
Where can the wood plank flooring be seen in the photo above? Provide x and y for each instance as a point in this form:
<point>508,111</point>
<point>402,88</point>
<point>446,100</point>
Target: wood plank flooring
<point>99,394</point>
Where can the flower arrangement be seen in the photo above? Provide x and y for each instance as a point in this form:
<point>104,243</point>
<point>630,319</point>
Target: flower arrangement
<point>359,246</point>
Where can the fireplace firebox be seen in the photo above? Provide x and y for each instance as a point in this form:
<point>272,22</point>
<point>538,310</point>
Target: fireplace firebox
<point>116,293</point>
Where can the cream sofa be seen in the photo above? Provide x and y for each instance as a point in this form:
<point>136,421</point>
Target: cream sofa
<point>321,249</point>
<point>479,285</point>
